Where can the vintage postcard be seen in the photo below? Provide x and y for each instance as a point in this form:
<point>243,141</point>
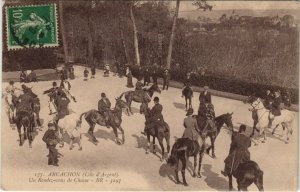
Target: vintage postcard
<point>150,95</point>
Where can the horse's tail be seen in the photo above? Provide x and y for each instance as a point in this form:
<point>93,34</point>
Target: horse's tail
<point>172,160</point>
<point>80,117</point>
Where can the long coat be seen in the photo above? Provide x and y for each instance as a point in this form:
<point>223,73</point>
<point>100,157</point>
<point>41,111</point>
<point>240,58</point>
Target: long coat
<point>50,138</point>
<point>206,98</point>
<point>25,103</point>
<point>103,105</point>
<point>156,113</point>
<point>238,151</point>
<point>277,105</point>
<point>62,107</point>
<point>191,126</point>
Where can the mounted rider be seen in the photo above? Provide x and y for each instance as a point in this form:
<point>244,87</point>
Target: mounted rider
<point>269,99</point>
<point>238,152</point>
<point>191,127</point>
<point>139,86</point>
<point>62,106</point>
<point>52,93</point>
<point>25,104</point>
<point>277,106</point>
<point>10,89</point>
<point>209,118</point>
<point>104,108</point>
<point>156,116</point>
<point>35,101</point>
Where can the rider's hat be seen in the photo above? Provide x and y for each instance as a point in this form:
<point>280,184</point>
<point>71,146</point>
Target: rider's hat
<point>11,82</point>
<point>242,128</point>
<point>190,112</point>
<point>24,87</point>
<point>103,95</point>
<point>50,124</point>
<point>54,84</point>
<point>156,99</point>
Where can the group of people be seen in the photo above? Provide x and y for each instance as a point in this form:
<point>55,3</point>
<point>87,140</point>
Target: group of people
<point>26,78</point>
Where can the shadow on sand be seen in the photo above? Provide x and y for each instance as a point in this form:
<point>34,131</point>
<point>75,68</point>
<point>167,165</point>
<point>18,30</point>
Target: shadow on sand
<point>142,142</point>
<point>213,180</point>
<point>179,105</point>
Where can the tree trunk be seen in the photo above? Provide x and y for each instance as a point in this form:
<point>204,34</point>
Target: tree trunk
<point>135,38</point>
<point>172,35</point>
<point>90,43</point>
<point>63,32</point>
<point>122,38</point>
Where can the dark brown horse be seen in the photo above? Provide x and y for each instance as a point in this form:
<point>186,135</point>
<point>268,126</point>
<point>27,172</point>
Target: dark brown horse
<point>246,174</point>
<point>213,132</point>
<point>182,149</point>
<point>140,96</point>
<point>160,131</point>
<point>93,117</point>
<point>187,92</point>
<point>24,119</point>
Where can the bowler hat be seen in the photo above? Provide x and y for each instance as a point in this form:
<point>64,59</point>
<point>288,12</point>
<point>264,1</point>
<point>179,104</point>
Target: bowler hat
<point>11,82</point>
<point>51,124</point>
<point>103,95</point>
<point>24,87</point>
<point>54,84</point>
<point>190,112</point>
<point>156,99</point>
<point>242,128</point>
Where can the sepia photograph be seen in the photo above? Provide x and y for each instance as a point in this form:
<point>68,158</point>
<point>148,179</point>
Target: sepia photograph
<point>159,95</point>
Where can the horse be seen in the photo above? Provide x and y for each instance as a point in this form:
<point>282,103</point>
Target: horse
<point>93,117</point>
<point>219,122</point>
<point>182,149</point>
<point>24,119</point>
<point>285,119</point>
<point>159,131</point>
<point>140,96</point>
<point>246,174</point>
<point>187,92</point>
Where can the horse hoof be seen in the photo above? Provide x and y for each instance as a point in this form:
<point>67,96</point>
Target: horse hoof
<point>185,184</point>
<point>194,175</point>
<point>213,156</point>
<point>80,149</point>
<point>263,142</point>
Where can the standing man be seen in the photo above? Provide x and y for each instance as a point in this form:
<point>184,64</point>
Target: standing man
<point>23,77</point>
<point>52,93</point>
<point>238,152</point>
<point>93,72</point>
<point>104,108</point>
<point>32,76</point>
<point>85,74</point>
<point>154,74</point>
<point>51,139</point>
<point>129,78</point>
<point>166,79</point>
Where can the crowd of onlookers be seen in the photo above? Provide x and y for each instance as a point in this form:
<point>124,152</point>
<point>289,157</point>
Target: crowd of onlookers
<point>26,78</point>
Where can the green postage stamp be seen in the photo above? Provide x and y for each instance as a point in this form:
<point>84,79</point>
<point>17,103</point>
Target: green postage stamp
<point>31,26</point>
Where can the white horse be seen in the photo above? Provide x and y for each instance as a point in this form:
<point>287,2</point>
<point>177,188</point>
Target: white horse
<point>285,119</point>
<point>70,125</point>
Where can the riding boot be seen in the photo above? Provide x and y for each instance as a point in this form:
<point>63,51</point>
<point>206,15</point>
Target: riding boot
<point>107,122</point>
<point>226,171</point>
<point>145,131</point>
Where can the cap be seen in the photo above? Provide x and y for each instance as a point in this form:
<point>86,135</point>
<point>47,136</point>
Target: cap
<point>156,99</point>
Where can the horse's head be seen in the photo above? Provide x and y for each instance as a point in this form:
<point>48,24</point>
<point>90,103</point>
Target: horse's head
<point>155,88</point>
<point>120,104</point>
<point>228,120</point>
<point>250,99</point>
<point>143,108</point>
<point>256,105</point>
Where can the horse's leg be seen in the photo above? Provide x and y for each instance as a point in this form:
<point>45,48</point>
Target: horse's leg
<point>153,144</point>
<point>148,143</point>
<point>167,137</point>
<point>160,140</point>
<point>183,170</point>
<point>275,129</point>
<point>190,104</point>
<point>212,140</point>
<point>195,165</point>
<point>186,104</point>
<point>176,173</point>
<point>201,154</point>
<point>19,127</point>
<point>79,143</point>
<point>116,135</point>
<point>71,143</point>
<point>122,132</point>
<point>91,130</point>
<point>230,182</point>
<point>254,128</point>
<point>129,105</point>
